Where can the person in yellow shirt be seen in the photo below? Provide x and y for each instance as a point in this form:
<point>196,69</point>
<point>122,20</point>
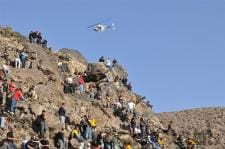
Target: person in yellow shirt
<point>190,143</point>
<point>75,133</point>
<point>128,146</point>
<point>92,123</point>
<point>161,143</point>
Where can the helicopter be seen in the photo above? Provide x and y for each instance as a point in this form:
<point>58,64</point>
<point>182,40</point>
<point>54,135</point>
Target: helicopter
<point>99,27</point>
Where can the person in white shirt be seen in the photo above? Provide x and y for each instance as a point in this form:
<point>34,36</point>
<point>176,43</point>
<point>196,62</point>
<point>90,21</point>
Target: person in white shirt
<point>130,106</point>
<point>6,69</point>
<point>108,64</point>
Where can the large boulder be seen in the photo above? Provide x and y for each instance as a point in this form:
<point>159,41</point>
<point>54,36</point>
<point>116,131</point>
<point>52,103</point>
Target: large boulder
<point>73,59</point>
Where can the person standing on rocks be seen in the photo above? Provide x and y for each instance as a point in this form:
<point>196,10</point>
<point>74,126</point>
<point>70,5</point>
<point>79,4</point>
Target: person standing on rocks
<point>131,107</point>
<point>42,124</point>
<point>108,64</point>
<point>62,114</point>
<point>17,59</point>
<point>81,83</point>
<point>4,91</point>
<point>17,96</point>
<point>23,58</point>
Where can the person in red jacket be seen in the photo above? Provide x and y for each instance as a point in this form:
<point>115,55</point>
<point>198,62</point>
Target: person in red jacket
<point>81,83</point>
<point>17,95</point>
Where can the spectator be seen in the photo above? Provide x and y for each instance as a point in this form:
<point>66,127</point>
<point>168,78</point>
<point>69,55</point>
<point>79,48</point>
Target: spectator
<point>6,56</point>
<point>59,140</point>
<point>23,58</point>
<point>161,143</point>
<point>131,107</point>
<point>17,59</point>
<point>17,96</point>
<point>4,91</point>
<point>33,143</point>
<point>62,113</point>
<point>75,134</point>
<point>6,69</point>
<point>81,83</point>
<point>190,143</point>
<point>101,59</point>
<point>42,124</point>
<point>107,141</point>
<point>108,64</point>
<point>9,144</point>
<point>128,146</point>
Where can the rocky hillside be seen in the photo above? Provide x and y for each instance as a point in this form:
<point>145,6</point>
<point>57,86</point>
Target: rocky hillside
<point>46,71</point>
<point>48,82</point>
<point>206,125</point>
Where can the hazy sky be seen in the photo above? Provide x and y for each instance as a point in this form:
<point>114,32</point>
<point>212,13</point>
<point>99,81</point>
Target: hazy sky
<point>174,50</point>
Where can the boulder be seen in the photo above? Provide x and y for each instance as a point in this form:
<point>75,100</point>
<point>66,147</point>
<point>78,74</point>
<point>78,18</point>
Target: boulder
<point>36,108</point>
<point>73,59</point>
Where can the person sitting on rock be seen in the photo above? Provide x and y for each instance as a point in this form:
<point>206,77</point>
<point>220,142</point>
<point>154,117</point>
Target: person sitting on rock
<point>76,134</point>
<point>170,129</point>
<point>44,143</point>
<point>33,143</point>
<point>9,144</point>
<point>114,62</point>
<point>101,59</point>
<point>179,141</point>
<point>6,69</point>
<point>108,76</point>
<point>31,92</point>
<point>128,146</point>
<point>161,143</point>
<point>153,140</point>
<point>190,143</point>
<point>149,104</point>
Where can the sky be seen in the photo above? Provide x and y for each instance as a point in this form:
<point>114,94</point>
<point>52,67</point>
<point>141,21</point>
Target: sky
<point>174,51</point>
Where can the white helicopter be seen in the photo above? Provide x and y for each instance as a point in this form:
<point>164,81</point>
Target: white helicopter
<point>99,27</point>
